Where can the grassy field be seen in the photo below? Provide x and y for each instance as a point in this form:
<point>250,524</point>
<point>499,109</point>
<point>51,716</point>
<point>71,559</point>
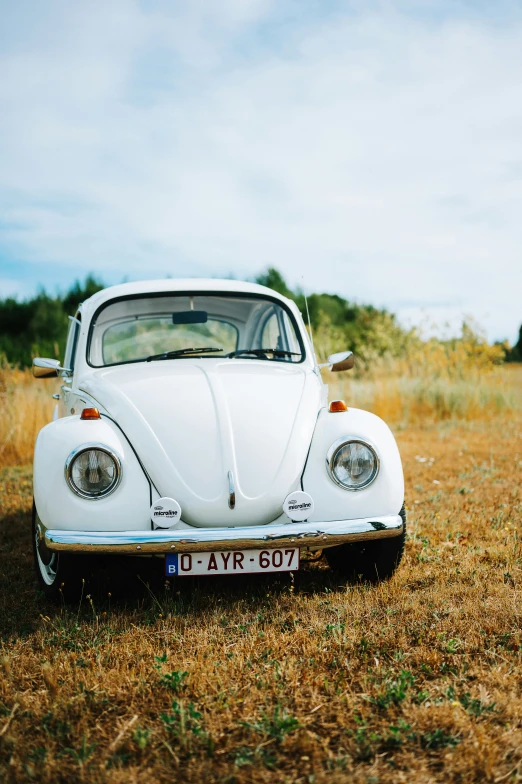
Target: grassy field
<point>286,679</point>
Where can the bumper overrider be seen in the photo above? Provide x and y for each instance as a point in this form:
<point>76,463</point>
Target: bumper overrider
<point>303,535</point>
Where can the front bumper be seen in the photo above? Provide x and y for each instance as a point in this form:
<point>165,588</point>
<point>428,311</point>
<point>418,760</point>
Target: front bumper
<point>305,535</point>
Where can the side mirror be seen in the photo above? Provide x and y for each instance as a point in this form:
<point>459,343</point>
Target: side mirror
<point>48,368</point>
<point>343,360</point>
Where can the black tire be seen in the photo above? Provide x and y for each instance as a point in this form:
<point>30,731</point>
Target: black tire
<point>370,561</point>
<point>58,574</point>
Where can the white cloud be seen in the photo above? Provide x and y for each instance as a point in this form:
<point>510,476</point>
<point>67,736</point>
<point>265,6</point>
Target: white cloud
<point>373,152</point>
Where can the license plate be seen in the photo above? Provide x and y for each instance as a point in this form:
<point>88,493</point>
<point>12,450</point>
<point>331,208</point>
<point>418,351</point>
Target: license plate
<point>232,562</point>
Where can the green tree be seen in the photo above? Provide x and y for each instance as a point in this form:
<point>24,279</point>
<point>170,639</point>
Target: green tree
<point>340,324</point>
<point>513,354</point>
<point>79,292</point>
<point>38,326</point>
<point>273,279</point>
<point>517,349</point>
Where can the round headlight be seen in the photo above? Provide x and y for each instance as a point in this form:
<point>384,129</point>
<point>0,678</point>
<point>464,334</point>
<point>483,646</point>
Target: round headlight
<point>352,464</point>
<point>93,471</point>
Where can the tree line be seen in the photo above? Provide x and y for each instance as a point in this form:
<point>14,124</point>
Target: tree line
<point>37,326</point>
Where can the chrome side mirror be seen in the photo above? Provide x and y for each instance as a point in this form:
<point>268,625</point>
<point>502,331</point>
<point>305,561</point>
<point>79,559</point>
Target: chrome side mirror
<point>48,368</point>
<point>343,360</point>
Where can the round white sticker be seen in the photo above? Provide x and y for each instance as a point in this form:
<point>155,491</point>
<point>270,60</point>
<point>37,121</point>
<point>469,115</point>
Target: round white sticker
<point>165,512</point>
<point>298,506</point>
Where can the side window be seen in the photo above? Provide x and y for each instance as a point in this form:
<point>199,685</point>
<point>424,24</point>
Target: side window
<point>72,341</point>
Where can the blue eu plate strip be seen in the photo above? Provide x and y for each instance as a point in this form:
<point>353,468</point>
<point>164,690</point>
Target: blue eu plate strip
<point>171,565</point>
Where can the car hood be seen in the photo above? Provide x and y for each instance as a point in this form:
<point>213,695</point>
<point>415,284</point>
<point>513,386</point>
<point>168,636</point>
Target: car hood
<point>192,421</point>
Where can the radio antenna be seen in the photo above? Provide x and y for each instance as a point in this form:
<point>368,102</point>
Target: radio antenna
<point>309,323</point>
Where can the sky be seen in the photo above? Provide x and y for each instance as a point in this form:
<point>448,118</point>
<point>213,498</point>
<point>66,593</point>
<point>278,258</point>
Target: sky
<point>369,149</point>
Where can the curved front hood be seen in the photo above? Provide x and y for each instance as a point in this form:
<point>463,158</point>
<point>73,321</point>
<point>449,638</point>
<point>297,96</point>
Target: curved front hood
<point>191,422</point>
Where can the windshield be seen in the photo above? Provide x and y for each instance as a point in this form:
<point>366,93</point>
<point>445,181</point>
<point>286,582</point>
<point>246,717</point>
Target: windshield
<point>173,326</point>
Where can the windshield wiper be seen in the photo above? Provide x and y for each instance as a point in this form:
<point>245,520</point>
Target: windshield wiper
<point>181,352</point>
<point>259,352</point>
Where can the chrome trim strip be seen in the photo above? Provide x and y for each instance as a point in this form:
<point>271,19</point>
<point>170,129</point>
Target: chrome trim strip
<point>318,535</point>
<point>231,491</point>
<point>332,454</point>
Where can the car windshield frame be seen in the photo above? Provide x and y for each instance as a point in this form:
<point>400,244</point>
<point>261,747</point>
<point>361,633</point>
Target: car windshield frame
<point>192,293</point>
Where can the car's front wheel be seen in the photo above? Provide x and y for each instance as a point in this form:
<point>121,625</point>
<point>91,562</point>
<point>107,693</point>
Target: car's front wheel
<point>57,573</point>
<point>370,561</point>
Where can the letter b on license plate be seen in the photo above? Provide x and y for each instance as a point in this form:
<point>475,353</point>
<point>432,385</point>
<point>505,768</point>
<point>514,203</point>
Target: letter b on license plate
<point>285,559</point>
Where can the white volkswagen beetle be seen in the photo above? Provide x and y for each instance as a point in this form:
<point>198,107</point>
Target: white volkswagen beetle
<point>193,425</point>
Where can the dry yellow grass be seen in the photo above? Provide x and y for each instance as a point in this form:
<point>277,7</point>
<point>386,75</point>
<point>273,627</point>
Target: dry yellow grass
<point>398,392</point>
<point>406,398</point>
<point>27,405</point>
<point>287,680</point>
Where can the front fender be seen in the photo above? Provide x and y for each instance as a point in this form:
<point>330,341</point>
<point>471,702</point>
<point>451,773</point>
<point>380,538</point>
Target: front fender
<point>383,497</point>
<point>127,508</point>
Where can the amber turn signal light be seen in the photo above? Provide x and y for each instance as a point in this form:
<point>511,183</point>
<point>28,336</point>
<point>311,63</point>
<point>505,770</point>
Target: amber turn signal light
<point>338,405</point>
<point>90,413</point>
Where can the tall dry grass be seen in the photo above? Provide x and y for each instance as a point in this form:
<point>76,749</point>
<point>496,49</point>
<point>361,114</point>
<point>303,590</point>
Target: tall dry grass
<point>282,678</point>
<point>407,399</point>
<point>434,384</point>
<point>435,381</point>
<point>268,679</point>
<point>27,406</point>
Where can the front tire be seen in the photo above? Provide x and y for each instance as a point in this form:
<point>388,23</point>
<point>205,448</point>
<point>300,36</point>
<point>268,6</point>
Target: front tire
<point>370,561</point>
<point>56,573</point>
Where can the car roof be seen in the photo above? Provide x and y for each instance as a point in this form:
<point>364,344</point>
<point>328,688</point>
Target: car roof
<point>173,285</point>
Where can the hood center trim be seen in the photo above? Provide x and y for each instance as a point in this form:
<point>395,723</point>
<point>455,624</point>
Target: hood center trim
<point>231,491</point>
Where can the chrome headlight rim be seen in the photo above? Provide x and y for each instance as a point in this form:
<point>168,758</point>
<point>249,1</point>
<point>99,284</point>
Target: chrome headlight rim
<point>332,454</point>
<point>86,448</point>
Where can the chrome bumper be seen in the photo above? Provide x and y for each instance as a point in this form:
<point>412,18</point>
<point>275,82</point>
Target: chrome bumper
<point>314,535</point>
